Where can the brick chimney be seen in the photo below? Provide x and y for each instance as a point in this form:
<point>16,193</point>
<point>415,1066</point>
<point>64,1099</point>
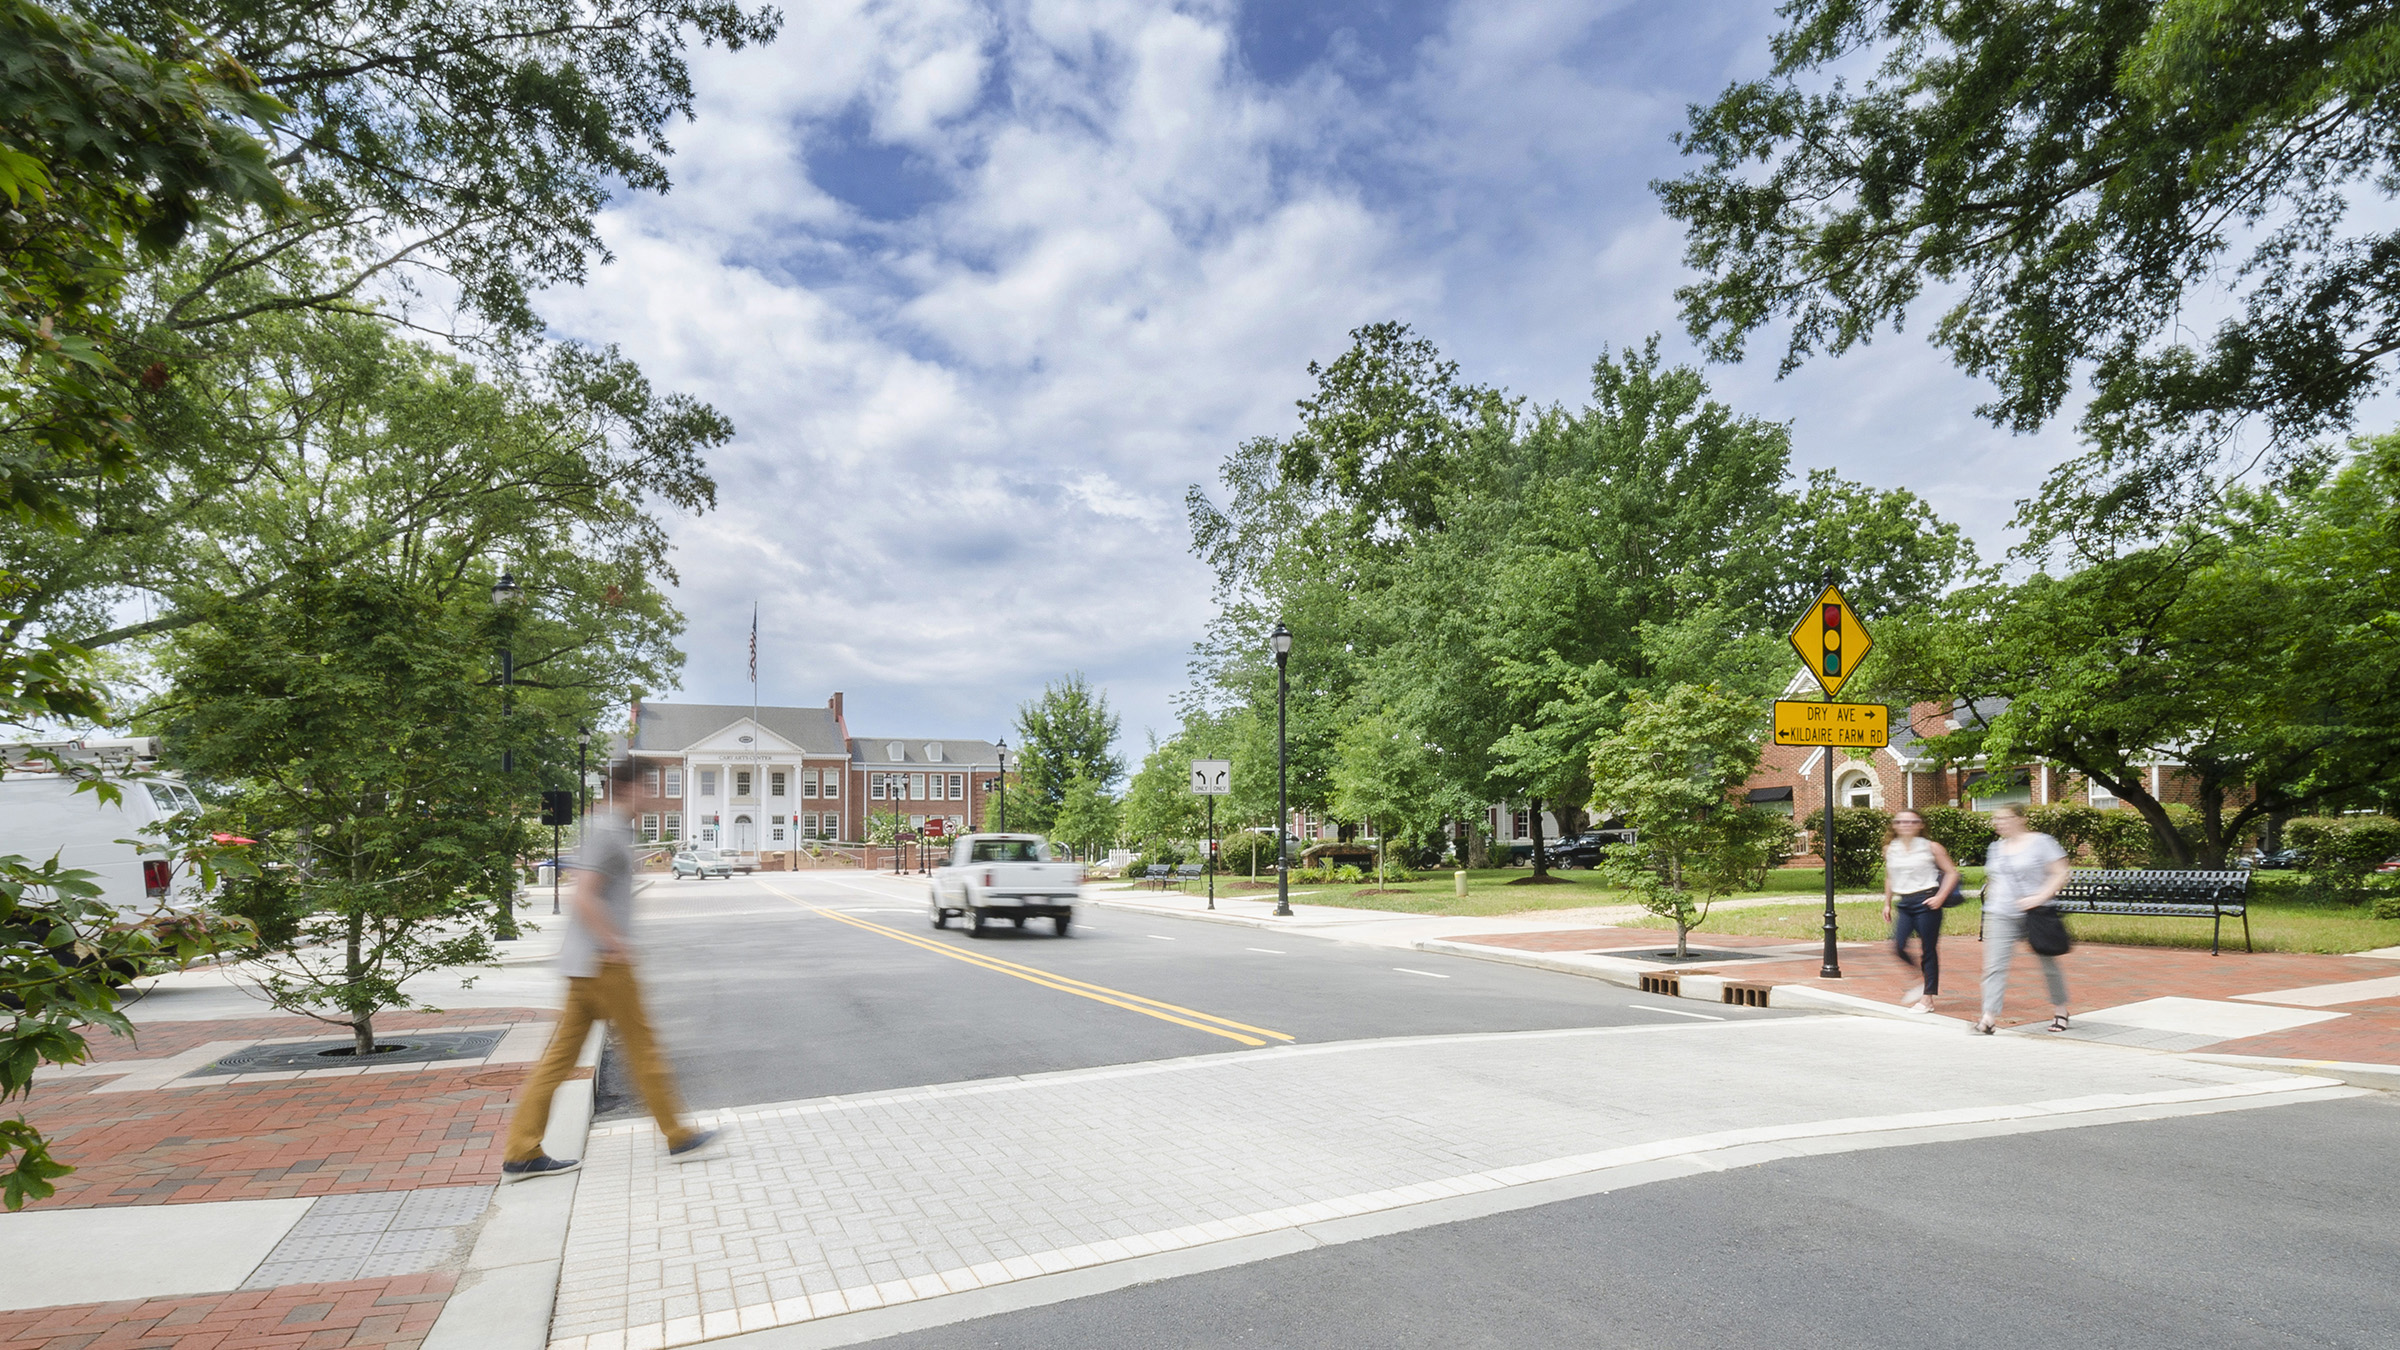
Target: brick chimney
<point>834,705</point>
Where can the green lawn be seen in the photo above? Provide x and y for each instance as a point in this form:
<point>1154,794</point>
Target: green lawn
<point>2275,926</point>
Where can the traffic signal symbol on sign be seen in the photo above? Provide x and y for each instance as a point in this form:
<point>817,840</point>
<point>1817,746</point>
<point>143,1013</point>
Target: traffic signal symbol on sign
<point>1831,641</point>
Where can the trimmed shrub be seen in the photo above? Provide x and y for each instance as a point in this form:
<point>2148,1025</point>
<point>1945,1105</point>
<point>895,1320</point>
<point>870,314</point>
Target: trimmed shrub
<point>2111,839</point>
<point>1857,844</point>
<point>1965,833</point>
<point>2343,853</point>
<point>1348,872</point>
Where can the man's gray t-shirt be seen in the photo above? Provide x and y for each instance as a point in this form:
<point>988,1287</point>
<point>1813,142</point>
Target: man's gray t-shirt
<point>608,851</point>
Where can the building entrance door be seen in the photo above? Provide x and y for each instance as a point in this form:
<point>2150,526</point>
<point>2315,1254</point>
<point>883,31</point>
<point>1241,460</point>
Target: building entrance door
<point>745,835</point>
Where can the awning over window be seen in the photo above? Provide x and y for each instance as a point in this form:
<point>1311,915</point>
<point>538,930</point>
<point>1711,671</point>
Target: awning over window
<point>1781,794</point>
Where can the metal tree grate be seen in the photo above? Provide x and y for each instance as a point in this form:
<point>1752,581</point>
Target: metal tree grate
<point>416,1047</point>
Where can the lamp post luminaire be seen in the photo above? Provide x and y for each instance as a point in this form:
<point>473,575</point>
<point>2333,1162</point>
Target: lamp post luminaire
<point>1281,641</point>
<point>506,596</point>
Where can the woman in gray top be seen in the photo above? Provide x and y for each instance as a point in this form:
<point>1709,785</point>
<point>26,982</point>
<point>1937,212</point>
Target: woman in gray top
<point>2022,870</point>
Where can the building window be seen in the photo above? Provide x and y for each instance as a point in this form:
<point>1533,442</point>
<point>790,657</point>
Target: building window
<point>708,782</point>
<point>674,826</point>
<point>708,829</point>
<point>808,783</point>
<point>1855,789</point>
<point>741,783</point>
<point>775,783</point>
<point>958,787</point>
<point>650,781</point>
<point>1520,824</point>
<point>675,782</point>
<point>777,824</point>
<point>833,783</point>
<point>875,787</point>
<point>2102,798</point>
<point>916,787</point>
<point>649,829</point>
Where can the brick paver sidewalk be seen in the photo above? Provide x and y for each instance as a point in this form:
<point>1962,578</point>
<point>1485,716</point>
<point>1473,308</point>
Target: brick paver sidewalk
<point>434,1130</point>
<point>2098,976</point>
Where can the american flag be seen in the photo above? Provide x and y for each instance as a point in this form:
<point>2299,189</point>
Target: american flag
<point>754,642</point>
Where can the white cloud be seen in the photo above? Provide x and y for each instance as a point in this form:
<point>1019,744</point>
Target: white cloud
<point>984,287</point>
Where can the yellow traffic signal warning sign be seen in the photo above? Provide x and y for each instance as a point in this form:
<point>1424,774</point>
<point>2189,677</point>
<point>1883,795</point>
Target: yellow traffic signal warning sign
<point>1831,641</point>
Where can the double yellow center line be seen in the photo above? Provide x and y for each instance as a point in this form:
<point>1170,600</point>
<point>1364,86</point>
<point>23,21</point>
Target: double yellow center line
<point>1115,998</point>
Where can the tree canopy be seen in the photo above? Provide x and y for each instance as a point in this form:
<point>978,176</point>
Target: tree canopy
<point>1064,735</point>
<point>2181,202</point>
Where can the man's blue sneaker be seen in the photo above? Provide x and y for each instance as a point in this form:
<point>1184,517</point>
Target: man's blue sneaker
<point>701,1145</point>
<point>540,1165</point>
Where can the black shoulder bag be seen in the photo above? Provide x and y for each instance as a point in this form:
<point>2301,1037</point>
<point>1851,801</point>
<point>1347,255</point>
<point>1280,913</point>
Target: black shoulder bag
<point>2046,931</point>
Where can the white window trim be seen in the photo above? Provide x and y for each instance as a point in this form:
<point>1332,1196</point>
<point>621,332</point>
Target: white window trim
<point>674,786</point>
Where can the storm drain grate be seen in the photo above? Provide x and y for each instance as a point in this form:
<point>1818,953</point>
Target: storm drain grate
<point>1670,985</point>
<point>1747,995</point>
<point>415,1047</point>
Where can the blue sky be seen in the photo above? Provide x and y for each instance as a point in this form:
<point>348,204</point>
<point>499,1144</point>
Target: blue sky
<point>986,287</point>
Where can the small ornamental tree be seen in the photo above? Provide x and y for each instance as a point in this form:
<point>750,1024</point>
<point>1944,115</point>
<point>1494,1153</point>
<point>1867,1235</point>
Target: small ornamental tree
<point>349,727</point>
<point>1383,775</point>
<point>1087,817</point>
<point>1674,769</point>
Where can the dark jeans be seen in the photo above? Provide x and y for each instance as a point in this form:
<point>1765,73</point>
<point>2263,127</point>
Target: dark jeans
<point>1910,914</point>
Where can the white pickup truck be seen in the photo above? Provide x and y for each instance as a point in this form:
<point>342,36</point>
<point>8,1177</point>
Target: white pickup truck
<point>1005,876</point>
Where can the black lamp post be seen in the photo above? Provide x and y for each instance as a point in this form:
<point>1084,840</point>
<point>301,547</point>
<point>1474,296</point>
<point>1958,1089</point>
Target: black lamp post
<point>506,596</point>
<point>1003,784</point>
<point>1281,641</point>
<point>583,796</point>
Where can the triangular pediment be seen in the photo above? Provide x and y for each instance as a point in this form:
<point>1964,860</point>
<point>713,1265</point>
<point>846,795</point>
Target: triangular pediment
<point>728,740</point>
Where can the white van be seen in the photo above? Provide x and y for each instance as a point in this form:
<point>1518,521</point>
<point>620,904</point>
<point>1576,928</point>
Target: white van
<point>42,814</point>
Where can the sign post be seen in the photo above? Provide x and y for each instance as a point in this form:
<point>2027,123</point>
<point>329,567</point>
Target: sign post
<point>1212,778</point>
<point>1831,642</point>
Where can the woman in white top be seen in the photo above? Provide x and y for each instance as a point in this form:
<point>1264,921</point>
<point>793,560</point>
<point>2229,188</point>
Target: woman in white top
<point>2021,871</point>
<point>1918,876</point>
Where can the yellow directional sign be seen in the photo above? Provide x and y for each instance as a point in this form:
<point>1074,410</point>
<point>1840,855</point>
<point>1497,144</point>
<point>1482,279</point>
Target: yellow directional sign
<point>1859,725</point>
<point>1831,641</point>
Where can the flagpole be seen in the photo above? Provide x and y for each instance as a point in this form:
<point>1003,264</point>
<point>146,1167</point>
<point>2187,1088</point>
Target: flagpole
<point>758,735</point>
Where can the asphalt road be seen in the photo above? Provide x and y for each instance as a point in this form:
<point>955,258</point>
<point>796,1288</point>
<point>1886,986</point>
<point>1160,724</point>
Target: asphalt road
<point>788,986</point>
<point>2268,1228</point>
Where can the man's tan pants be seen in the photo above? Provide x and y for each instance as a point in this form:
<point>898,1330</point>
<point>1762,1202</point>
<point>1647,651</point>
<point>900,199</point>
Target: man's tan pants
<point>611,997</point>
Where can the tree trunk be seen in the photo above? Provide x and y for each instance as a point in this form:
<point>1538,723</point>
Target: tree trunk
<point>362,1022</point>
<point>1681,930</point>
<point>1541,859</point>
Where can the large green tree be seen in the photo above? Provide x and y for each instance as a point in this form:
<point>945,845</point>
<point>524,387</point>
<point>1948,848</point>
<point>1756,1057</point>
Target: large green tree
<point>2082,186</point>
<point>1063,735</point>
<point>2254,650</point>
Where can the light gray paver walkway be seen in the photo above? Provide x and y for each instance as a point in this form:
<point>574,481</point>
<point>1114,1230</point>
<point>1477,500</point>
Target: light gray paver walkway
<point>838,1205</point>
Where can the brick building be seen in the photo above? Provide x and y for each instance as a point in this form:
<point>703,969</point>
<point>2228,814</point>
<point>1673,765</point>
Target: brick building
<point>719,775</point>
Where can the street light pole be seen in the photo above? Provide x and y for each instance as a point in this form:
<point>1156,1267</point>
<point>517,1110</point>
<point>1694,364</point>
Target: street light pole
<point>1281,641</point>
<point>1003,781</point>
<point>583,804</point>
<point>506,594</point>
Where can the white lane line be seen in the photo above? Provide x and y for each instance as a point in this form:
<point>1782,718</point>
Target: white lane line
<point>1268,950</point>
<point>1156,938</point>
<point>1426,973</point>
<point>1678,1012</point>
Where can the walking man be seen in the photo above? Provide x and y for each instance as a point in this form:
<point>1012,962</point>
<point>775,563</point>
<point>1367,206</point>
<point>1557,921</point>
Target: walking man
<point>597,960</point>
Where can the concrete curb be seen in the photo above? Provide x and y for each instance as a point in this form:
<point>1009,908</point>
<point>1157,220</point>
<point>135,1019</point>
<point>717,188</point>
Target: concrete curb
<point>1239,920</point>
<point>1612,969</point>
<point>505,1294</point>
<point>2382,1077</point>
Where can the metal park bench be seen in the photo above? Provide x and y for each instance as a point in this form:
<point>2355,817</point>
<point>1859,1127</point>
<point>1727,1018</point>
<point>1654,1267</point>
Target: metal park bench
<point>1186,872</point>
<point>1156,874</point>
<point>2215,896</point>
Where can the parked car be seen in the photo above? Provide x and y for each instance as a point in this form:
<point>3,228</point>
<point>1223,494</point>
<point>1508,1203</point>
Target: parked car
<point>2391,864</point>
<point>1582,850</point>
<point>700,862</point>
<point>1005,876</point>
<point>2282,859</point>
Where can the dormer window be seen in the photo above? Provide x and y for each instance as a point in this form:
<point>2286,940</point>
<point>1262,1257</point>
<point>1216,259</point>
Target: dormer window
<point>896,753</point>
<point>933,752</point>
